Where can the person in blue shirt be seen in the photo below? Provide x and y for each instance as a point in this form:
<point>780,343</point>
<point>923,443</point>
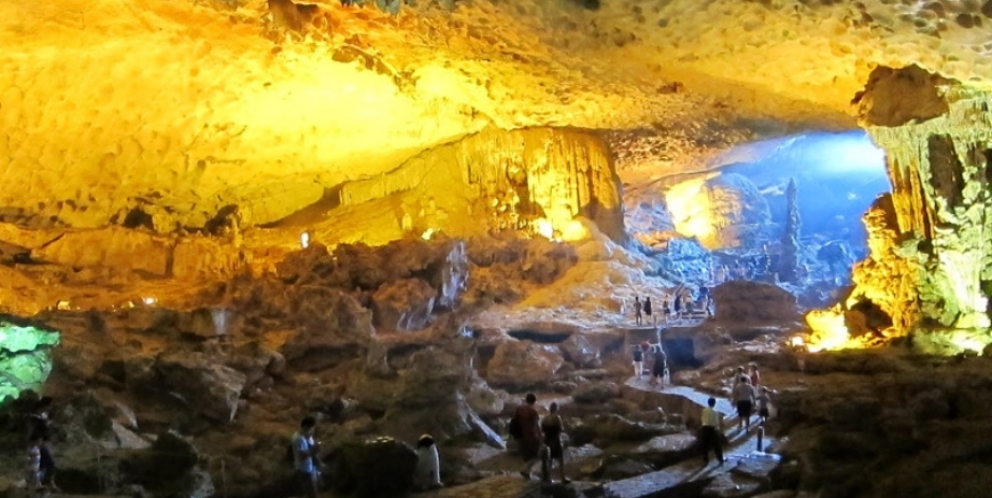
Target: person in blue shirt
<point>306,459</point>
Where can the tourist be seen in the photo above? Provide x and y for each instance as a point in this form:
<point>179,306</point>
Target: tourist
<point>528,420</point>
<point>744,399</point>
<point>710,432</point>
<point>659,366</point>
<point>738,375</point>
<point>306,458</point>
<point>33,476</point>
<point>552,427</point>
<point>764,399</point>
<point>677,302</point>
<point>647,308</point>
<point>40,431</point>
<point>754,375</point>
<point>428,463</point>
<point>666,309</point>
<point>637,310</point>
<point>639,350</point>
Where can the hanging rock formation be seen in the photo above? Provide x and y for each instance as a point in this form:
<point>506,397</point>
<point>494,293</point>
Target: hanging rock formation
<point>538,179</point>
<point>937,135</point>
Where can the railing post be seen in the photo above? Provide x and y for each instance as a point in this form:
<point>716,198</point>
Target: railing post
<point>761,437</point>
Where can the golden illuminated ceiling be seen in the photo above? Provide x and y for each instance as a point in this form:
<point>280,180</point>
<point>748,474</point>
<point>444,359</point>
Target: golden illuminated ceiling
<point>180,107</point>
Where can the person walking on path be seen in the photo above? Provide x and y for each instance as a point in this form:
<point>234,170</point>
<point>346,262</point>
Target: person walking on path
<point>744,399</point>
<point>553,428</point>
<point>755,376</point>
<point>666,309</point>
<point>637,310</point>
<point>647,310</point>
<point>528,421</point>
<point>677,302</point>
<point>709,435</point>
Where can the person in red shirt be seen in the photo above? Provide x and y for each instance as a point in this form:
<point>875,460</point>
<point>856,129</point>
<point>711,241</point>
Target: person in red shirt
<point>530,435</point>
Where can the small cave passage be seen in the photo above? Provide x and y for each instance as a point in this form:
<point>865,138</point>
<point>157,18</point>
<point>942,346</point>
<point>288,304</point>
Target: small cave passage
<point>540,337</point>
<point>681,354</point>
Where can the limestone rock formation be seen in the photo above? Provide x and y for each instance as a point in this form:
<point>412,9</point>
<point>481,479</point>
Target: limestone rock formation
<point>520,365</point>
<point>403,305</point>
<point>936,136</point>
<point>538,179</point>
<point>739,214</point>
<point>753,303</point>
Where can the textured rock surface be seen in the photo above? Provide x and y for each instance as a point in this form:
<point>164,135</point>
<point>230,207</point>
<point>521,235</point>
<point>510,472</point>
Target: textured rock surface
<point>939,160</point>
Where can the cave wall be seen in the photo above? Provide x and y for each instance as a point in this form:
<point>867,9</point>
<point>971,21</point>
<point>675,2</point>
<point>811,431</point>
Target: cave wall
<point>937,135</point>
<point>536,179</point>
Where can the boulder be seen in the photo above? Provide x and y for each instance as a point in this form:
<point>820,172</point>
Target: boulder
<point>207,387</point>
<point>616,428</point>
<point>596,392</point>
<point>519,365</point>
<point>334,328</point>
<point>372,468</point>
<point>403,305</point>
<point>168,468</point>
<point>662,451</point>
<point>743,302</point>
<point>581,351</point>
<point>432,396</point>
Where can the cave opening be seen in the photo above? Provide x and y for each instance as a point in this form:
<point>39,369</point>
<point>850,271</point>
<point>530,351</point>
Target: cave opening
<point>785,211</point>
<point>540,337</point>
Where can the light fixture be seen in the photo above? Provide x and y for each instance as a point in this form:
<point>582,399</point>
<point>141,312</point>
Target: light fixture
<point>148,300</point>
<point>305,240</point>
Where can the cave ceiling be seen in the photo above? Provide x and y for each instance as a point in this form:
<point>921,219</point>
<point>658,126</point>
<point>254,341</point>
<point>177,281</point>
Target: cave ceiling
<point>180,108</point>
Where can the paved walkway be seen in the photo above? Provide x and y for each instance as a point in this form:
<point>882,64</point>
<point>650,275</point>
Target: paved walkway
<point>741,475</point>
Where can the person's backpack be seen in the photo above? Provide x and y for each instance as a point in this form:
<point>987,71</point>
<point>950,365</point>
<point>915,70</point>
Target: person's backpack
<point>516,431</point>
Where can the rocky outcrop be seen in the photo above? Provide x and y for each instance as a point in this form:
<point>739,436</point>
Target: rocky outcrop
<point>936,133</point>
<point>743,302</point>
<point>520,365</point>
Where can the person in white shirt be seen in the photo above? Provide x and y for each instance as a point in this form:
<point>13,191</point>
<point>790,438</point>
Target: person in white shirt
<point>428,463</point>
<point>710,432</point>
<point>744,399</point>
<point>306,459</point>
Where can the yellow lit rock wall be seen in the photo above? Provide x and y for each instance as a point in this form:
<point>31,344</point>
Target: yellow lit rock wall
<point>498,180</point>
<point>179,109</point>
<point>937,135</point>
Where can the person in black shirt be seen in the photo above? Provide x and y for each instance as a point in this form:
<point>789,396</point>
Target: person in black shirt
<point>552,427</point>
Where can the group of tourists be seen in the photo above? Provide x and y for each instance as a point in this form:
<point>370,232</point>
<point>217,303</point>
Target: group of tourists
<point>680,305</point>
<point>659,362</point>
<point>748,393</point>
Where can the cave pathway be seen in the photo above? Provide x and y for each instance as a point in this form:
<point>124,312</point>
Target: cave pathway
<point>745,470</point>
<point>745,466</point>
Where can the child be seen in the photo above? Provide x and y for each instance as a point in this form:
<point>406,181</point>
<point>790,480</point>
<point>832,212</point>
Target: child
<point>763,399</point>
